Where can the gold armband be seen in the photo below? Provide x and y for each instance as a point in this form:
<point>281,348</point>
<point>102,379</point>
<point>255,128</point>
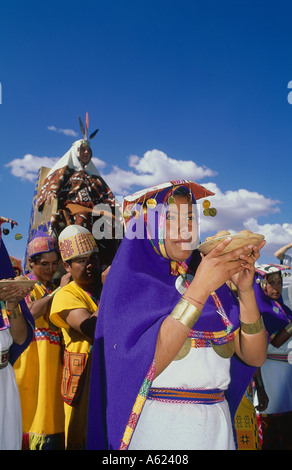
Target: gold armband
<point>186,313</point>
<point>252,328</point>
<point>288,328</point>
<point>13,312</point>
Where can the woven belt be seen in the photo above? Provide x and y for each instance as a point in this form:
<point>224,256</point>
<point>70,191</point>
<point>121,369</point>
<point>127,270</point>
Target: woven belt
<point>278,357</point>
<point>178,395</point>
<point>3,358</point>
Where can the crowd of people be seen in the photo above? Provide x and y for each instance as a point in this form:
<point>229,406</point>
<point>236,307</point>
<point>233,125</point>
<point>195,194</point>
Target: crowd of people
<point>160,354</point>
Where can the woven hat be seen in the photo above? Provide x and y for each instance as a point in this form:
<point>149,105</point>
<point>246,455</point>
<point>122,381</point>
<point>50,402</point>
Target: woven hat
<point>76,240</point>
<point>41,243</point>
<point>16,263</point>
<point>266,269</point>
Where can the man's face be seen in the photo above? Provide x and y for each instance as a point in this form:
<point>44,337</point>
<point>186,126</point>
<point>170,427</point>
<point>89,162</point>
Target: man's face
<point>85,154</point>
<point>84,269</point>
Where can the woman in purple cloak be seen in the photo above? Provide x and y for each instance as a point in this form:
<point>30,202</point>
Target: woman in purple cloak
<point>273,381</point>
<point>168,330</point>
<point>16,333</point>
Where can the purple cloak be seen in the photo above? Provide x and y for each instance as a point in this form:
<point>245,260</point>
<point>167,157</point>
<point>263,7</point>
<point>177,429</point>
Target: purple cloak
<point>7,271</point>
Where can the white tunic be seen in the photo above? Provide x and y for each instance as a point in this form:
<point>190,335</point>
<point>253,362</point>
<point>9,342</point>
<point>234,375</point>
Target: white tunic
<point>277,379</point>
<point>10,408</point>
<point>188,426</point>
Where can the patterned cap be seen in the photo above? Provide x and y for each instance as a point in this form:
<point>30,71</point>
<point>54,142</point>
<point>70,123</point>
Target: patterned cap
<point>265,269</point>
<point>76,240</point>
<point>16,263</point>
<point>41,243</point>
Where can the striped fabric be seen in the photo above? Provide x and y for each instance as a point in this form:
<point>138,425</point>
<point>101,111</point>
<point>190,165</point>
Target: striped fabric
<point>177,395</point>
<point>46,334</point>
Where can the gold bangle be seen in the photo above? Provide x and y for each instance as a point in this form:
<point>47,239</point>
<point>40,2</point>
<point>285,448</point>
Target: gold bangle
<point>13,312</point>
<point>186,313</point>
<point>252,328</point>
<point>288,328</point>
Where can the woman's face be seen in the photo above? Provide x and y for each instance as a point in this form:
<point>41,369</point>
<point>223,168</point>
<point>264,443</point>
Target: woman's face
<point>274,286</point>
<point>181,231</point>
<point>45,267</point>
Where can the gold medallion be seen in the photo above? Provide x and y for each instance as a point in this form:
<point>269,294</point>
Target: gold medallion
<point>136,214</point>
<point>224,350</point>
<point>126,214</point>
<point>151,203</point>
<point>212,211</point>
<point>184,351</point>
<point>206,204</point>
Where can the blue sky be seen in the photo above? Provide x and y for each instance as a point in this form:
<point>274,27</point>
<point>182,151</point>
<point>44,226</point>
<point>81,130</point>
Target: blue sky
<point>179,89</point>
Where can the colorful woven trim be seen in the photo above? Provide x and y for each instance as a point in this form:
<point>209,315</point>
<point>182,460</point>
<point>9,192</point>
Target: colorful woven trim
<point>46,334</point>
<point>278,357</point>
<point>180,395</point>
<point>4,319</point>
<point>137,409</point>
<point>206,338</point>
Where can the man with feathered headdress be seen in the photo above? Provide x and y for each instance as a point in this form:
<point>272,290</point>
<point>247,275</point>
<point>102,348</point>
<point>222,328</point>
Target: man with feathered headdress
<point>76,183</point>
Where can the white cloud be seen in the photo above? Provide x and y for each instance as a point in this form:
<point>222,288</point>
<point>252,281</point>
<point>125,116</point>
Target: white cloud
<point>68,132</point>
<point>234,208</point>
<point>275,234</point>
<point>27,167</point>
<point>153,168</point>
<point>98,163</point>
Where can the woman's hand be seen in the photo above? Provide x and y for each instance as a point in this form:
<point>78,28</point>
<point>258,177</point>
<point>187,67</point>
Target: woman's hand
<point>13,294</point>
<point>215,269</point>
<point>243,280</point>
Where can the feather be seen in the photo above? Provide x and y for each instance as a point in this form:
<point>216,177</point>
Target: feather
<point>86,125</point>
<point>93,134</point>
<point>81,126</point>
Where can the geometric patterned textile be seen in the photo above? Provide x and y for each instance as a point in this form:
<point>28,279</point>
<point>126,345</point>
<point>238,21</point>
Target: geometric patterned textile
<point>75,241</point>
<point>137,409</point>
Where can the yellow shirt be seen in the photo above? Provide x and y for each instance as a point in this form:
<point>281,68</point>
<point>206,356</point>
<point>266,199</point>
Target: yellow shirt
<point>77,346</point>
<point>38,373</point>
<point>71,297</point>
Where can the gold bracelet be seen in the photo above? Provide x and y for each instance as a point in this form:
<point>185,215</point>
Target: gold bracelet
<point>13,312</point>
<point>186,313</point>
<point>288,328</point>
<point>252,328</point>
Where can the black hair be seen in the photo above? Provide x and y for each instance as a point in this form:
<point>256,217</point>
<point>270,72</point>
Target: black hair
<point>35,258</point>
<point>182,191</point>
